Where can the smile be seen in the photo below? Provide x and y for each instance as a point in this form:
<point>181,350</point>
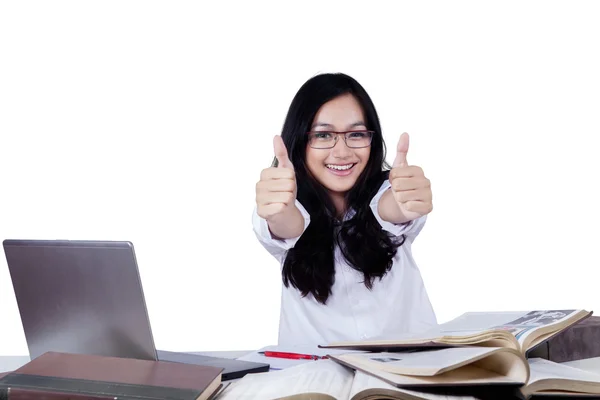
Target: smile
<point>340,167</point>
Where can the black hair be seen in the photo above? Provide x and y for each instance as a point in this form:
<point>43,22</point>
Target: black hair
<point>309,266</point>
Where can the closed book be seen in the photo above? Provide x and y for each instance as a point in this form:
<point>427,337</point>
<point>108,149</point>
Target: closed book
<point>61,376</point>
<point>580,341</point>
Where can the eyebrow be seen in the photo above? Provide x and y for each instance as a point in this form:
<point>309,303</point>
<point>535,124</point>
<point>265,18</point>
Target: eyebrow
<point>325,125</point>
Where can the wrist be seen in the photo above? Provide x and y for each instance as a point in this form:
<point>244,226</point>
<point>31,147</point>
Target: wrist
<point>390,210</point>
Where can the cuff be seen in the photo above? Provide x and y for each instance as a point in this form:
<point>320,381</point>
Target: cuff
<point>407,228</point>
<point>263,232</point>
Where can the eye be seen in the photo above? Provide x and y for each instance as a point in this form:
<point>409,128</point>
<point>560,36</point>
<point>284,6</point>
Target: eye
<point>357,135</point>
<point>322,135</point>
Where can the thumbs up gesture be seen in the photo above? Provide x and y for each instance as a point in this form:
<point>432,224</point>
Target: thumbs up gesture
<point>276,190</point>
<point>411,189</point>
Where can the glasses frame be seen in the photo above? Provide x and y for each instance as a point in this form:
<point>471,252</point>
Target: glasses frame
<point>345,133</point>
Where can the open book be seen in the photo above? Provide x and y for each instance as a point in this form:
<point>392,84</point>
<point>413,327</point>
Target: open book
<point>546,378</point>
<point>522,331</point>
<point>549,378</point>
<point>449,367</point>
<point>323,380</point>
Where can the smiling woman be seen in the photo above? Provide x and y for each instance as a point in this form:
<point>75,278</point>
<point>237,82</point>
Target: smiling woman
<point>328,162</point>
<point>341,221</point>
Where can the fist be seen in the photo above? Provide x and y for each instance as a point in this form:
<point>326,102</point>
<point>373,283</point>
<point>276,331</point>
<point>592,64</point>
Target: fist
<point>276,190</point>
<point>411,189</point>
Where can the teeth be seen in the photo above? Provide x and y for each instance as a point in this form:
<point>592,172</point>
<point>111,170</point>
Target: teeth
<point>340,167</point>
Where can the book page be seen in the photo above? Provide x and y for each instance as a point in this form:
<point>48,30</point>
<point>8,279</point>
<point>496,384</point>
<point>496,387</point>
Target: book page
<point>467,324</point>
<point>323,377</point>
<point>420,337</point>
<point>365,384</point>
<point>586,364</point>
<point>512,329</point>
<point>520,323</point>
<point>467,375</point>
<point>476,322</point>
<point>544,369</point>
<point>525,326</point>
<point>548,377</point>
<point>422,363</point>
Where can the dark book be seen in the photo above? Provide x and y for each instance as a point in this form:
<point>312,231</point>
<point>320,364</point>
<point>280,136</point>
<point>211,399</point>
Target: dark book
<point>580,341</point>
<point>61,376</point>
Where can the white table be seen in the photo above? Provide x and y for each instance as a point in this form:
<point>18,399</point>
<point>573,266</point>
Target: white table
<point>10,363</point>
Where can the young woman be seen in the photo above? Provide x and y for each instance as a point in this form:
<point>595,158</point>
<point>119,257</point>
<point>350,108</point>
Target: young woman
<point>341,221</point>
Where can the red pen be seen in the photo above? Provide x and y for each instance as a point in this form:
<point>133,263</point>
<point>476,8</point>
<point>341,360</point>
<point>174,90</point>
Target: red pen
<point>291,356</point>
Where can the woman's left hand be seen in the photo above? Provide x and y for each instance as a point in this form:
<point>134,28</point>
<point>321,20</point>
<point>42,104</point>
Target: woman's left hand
<point>411,189</point>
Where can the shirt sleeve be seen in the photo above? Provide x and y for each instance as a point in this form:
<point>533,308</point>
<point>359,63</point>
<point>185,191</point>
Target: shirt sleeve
<point>411,228</point>
<point>277,247</point>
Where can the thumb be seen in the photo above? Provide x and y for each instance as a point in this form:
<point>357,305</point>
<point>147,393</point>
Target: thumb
<point>281,153</point>
<point>401,150</point>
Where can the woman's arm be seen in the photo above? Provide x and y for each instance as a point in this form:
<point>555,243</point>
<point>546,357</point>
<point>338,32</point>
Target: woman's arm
<point>276,196</point>
<point>389,210</point>
<point>287,224</point>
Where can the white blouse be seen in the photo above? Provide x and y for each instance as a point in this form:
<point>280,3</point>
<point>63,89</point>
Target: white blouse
<point>398,304</point>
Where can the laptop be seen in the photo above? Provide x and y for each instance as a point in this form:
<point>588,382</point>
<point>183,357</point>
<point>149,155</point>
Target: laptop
<point>86,297</point>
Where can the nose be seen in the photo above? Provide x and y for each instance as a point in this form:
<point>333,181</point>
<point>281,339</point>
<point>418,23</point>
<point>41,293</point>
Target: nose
<point>340,150</point>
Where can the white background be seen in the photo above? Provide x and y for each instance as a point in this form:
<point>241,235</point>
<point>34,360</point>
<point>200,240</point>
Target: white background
<point>151,121</point>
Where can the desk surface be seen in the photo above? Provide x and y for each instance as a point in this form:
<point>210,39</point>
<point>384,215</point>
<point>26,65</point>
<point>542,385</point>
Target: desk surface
<point>10,363</point>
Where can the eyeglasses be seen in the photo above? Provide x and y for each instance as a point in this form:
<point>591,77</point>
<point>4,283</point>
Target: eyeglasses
<point>328,139</point>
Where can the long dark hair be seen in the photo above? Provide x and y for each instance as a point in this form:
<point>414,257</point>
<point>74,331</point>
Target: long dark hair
<point>309,266</point>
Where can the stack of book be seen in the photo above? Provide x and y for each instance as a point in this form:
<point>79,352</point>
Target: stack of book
<point>475,356</point>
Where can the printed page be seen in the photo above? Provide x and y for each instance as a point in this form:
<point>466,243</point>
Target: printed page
<point>324,377</point>
<point>525,326</point>
<point>422,363</point>
<point>364,382</point>
<point>476,322</point>
<point>521,323</point>
<point>282,363</point>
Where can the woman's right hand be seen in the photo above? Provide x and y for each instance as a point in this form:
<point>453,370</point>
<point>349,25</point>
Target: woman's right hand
<point>276,196</point>
<point>276,190</point>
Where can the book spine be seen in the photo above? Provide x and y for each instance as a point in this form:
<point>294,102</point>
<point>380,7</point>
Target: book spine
<point>83,389</point>
<point>13,393</point>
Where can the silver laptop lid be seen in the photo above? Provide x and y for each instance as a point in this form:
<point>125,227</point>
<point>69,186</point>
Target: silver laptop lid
<point>80,297</point>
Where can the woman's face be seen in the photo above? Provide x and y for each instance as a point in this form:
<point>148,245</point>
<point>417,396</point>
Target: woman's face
<point>338,168</point>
